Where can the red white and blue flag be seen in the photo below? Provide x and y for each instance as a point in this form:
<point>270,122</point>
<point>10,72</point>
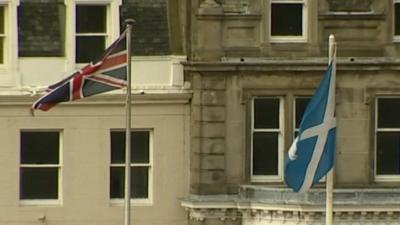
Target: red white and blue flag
<point>312,154</point>
<point>106,74</point>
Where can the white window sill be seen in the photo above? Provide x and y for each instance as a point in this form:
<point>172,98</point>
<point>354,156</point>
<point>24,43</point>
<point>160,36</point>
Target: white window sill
<point>39,202</point>
<point>396,39</point>
<point>387,178</point>
<point>134,202</point>
<point>266,179</point>
<point>285,39</point>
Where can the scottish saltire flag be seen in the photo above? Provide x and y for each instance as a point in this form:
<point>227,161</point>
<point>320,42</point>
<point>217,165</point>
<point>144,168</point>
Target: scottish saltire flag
<point>312,154</point>
<point>102,75</point>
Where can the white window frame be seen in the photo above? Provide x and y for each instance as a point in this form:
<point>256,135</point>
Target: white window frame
<point>112,25</point>
<point>280,131</point>
<point>8,70</point>
<point>138,201</point>
<point>57,201</point>
<point>382,178</point>
<point>290,39</point>
<point>396,38</point>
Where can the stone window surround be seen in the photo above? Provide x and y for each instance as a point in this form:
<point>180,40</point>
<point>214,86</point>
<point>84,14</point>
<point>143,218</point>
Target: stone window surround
<point>289,39</point>
<point>112,25</point>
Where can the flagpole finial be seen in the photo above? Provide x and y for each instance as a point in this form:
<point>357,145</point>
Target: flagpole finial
<point>129,21</point>
<point>332,48</point>
<point>331,38</point>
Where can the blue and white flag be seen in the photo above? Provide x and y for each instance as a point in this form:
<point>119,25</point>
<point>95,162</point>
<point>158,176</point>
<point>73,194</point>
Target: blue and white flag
<point>312,154</point>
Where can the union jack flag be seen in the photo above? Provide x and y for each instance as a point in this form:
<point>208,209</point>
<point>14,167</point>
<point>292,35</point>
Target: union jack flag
<point>106,74</point>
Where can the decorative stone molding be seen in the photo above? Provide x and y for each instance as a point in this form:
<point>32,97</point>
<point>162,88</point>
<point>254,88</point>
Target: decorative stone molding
<point>229,64</point>
<point>209,4</point>
<point>350,5</point>
<point>255,205</point>
<point>251,216</point>
<point>210,7</point>
<point>224,7</point>
<point>235,6</point>
<point>221,214</point>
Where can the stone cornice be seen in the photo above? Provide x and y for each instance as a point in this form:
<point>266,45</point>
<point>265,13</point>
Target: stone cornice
<point>139,97</point>
<point>351,16</point>
<point>229,16</point>
<point>282,64</point>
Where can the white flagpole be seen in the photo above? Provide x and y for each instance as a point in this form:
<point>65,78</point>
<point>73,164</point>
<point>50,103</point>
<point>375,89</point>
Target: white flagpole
<point>127,208</point>
<point>329,176</point>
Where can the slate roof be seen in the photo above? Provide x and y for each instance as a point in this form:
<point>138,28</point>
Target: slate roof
<point>44,35</point>
<point>41,35</point>
<point>150,31</point>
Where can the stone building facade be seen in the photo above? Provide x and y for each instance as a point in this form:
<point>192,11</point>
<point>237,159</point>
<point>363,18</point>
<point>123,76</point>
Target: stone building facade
<point>65,166</point>
<point>253,65</point>
<point>213,129</point>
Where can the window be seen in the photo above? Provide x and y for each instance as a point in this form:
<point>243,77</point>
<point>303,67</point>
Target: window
<point>39,165</point>
<point>387,160</point>
<point>91,32</point>
<point>288,20</point>
<point>91,27</point>
<point>140,164</point>
<point>8,41</point>
<point>2,34</point>
<point>40,35</point>
<point>266,139</point>
<point>396,20</point>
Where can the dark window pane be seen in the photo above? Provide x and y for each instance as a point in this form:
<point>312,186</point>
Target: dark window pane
<point>266,113</point>
<point>40,35</point>
<point>388,113</point>
<point>301,104</point>
<point>89,48</point>
<point>39,183</point>
<point>2,33</point>
<point>117,147</point>
<point>397,19</point>
<point>139,182</point>
<point>139,146</point>
<point>117,182</point>
<point>388,153</point>
<point>265,153</point>
<point>90,19</point>
<point>40,147</point>
<point>1,19</point>
<point>286,19</point>
<point>1,50</point>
